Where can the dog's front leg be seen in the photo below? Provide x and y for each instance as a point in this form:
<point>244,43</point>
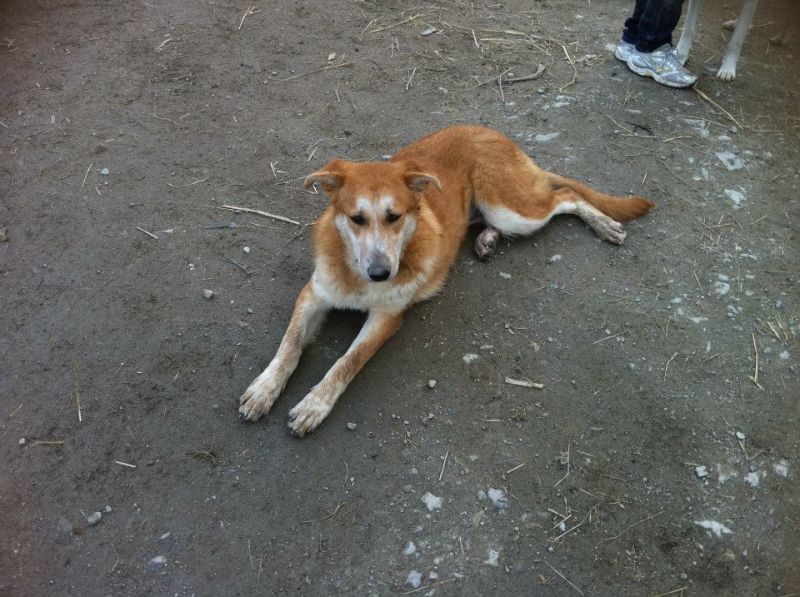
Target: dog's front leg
<point>312,410</point>
<point>309,312</point>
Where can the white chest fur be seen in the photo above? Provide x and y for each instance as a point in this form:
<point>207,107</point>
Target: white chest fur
<point>385,296</point>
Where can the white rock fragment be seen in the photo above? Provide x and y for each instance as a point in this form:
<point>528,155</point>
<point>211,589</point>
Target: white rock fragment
<point>505,276</point>
<point>158,560</point>
<point>736,196</point>
<point>414,579</point>
<point>469,357</point>
<point>499,498</point>
<point>431,383</point>
<point>545,138</point>
<point>781,468</point>
<point>729,160</point>
<point>740,435</point>
<point>433,575</point>
<point>784,355</point>
<point>351,426</point>
<point>722,288</point>
<point>104,172</point>
<point>94,518</point>
<point>246,250</point>
<point>554,259</point>
<point>492,556</point>
<point>715,527</point>
<point>410,549</point>
<point>208,294</point>
<point>431,501</point>
<point>754,478</point>
<point>701,471</point>
<point>22,441</point>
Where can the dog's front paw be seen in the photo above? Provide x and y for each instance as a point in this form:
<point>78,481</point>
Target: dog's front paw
<point>259,397</point>
<point>309,412</point>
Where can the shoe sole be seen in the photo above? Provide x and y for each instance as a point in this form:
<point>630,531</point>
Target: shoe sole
<point>658,78</point>
<point>621,57</point>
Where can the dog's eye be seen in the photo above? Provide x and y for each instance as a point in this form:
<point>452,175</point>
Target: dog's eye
<point>358,220</point>
<point>392,218</point>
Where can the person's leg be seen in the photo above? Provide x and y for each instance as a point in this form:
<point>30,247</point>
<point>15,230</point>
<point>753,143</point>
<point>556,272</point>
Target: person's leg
<point>653,55</point>
<point>656,24</point>
<point>629,32</point>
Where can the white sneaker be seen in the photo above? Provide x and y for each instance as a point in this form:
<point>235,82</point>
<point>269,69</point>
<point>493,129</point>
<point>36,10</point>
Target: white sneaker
<point>663,65</point>
<point>624,50</point>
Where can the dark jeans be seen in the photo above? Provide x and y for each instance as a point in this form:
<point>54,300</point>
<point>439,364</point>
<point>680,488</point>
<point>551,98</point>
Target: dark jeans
<point>652,23</point>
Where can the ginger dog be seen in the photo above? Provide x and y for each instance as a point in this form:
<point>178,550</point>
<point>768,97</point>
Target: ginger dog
<point>392,231</point>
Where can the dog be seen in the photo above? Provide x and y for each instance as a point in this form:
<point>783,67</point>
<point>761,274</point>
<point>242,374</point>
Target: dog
<point>392,231</point>
<point>727,70</point>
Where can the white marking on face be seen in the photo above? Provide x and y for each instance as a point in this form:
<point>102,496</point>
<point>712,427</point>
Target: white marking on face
<point>375,242</point>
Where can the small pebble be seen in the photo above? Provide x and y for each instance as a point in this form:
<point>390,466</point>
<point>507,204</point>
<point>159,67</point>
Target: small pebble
<point>410,549</point>
<point>499,499</point>
<point>431,383</point>
<point>104,172</point>
<point>431,501</point>
<point>492,555</point>
<point>22,441</point>
<point>246,250</point>
<point>107,509</point>
<point>505,275</point>
<point>249,311</point>
<point>701,471</point>
<point>209,294</point>
<point>94,518</point>
<point>469,357</point>
<point>414,579</point>
<point>352,426</point>
<point>740,435</point>
<point>554,259</point>
<point>433,575</point>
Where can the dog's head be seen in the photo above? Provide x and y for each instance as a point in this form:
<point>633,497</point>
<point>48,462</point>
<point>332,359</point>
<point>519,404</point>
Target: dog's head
<point>376,208</point>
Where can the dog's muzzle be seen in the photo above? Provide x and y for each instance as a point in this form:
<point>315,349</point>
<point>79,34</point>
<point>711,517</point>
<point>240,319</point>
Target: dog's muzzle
<point>379,271</point>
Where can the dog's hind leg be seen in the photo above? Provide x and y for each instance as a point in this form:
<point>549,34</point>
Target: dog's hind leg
<point>561,201</point>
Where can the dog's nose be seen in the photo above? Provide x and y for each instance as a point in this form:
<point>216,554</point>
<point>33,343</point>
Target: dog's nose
<point>378,272</point>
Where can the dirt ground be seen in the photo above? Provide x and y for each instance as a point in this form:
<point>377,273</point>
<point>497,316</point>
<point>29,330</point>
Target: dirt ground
<point>121,122</point>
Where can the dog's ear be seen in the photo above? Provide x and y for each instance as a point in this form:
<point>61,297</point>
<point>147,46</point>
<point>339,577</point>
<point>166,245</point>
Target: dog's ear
<point>418,181</point>
<point>330,177</point>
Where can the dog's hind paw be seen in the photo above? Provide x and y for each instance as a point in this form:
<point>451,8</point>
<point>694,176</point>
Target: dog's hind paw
<point>610,230</point>
<point>308,414</point>
<point>486,243</point>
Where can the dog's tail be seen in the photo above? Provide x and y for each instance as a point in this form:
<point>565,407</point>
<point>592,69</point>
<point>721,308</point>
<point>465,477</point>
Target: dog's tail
<point>619,208</point>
